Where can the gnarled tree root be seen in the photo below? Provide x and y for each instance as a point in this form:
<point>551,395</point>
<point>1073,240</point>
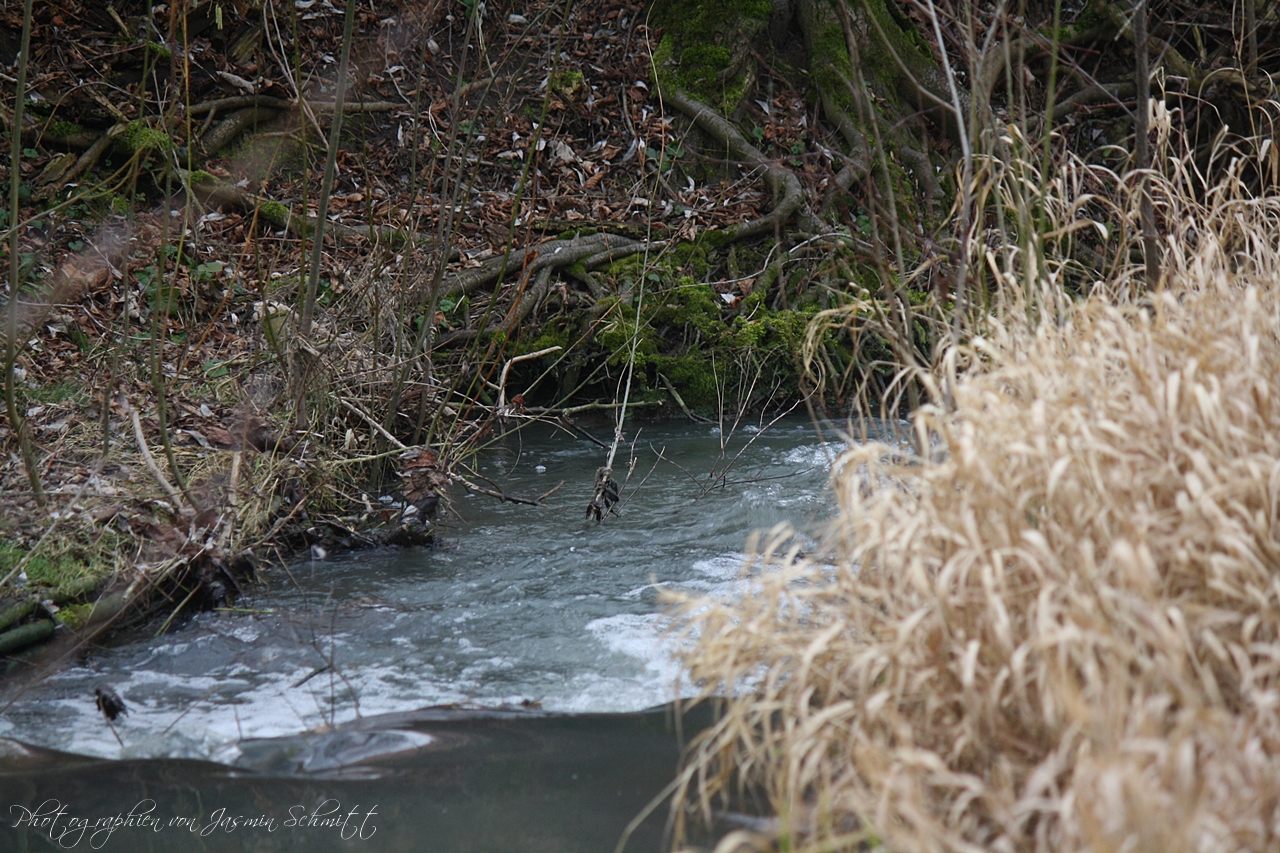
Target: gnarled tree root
<point>788,195</point>
<point>239,102</point>
<point>593,248</point>
<point>536,264</point>
<point>225,131</point>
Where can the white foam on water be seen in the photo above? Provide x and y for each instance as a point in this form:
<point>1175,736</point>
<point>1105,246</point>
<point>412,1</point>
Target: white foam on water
<point>216,712</point>
<point>819,455</point>
<point>642,637</point>
<point>725,567</point>
<point>222,679</point>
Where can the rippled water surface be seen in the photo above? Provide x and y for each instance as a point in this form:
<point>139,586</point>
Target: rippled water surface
<point>518,604</point>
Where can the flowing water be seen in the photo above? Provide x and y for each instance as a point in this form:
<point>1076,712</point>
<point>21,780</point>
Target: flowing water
<point>316,681</point>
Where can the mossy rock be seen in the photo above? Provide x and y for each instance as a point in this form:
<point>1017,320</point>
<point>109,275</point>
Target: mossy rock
<point>276,213</point>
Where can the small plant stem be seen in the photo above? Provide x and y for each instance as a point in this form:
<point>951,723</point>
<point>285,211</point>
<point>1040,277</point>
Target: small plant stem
<point>17,422</point>
<point>150,460</point>
<point>857,86</point>
<point>420,309</point>
<point>1251,34</point>
<point>422,344</point>
<point>160,323</point>
<point>1142,149</point>
<point>303,357</point>
<point>447,231</point>
<point>966,184</point>
<point>326,183</point>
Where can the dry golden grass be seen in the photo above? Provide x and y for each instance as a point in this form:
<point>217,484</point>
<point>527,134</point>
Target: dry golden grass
<point>1058,627</point>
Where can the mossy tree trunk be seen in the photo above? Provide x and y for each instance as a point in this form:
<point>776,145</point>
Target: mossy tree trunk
<point>868,71</point>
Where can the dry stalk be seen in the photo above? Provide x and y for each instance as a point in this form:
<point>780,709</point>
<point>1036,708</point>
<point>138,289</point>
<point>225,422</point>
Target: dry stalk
<point>1056,625</point>
<point>147,458</point>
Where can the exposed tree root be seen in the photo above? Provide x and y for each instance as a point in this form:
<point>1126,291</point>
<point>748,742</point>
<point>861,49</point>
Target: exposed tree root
<point>527,300</point>
<point>85,161</point>
<point>788,195</point>
<point>215,193</point>
<point>537,263</point>
<point>675,395</point>
<point>615,253</point>
<point>555,254</point>
<point>226,131</point>
<point>44,133</point>
<point>1092,95</point>
<point>267,102</point>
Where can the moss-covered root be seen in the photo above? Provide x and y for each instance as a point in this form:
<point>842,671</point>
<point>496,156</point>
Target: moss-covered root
<point>26,635</point>
<point>225,131</point>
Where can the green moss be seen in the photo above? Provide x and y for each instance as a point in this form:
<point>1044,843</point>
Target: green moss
<point>275,212</point>
<point>200,176</point>
<point>56,569</point>
<point>831,70</point>
<point>616,334</point>
<point>138,136</point>
<point>62,129</point>
<point>893,47</point>
<point>712,352</point>
<point>74,616</point>
<point>688,305</point>
<point>548,337</point>
<point>630,268</point>
<point>700,63</point>
<point>695,378</point>
<point>1092,16</point>
<point>569,86</point>
<point>704,16</point>
<point>704,49</point>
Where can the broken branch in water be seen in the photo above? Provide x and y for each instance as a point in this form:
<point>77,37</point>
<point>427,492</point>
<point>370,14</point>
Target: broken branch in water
<point>495,492</point>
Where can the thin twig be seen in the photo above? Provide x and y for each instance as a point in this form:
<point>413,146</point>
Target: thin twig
<point>495,492</point>
<point>150,460</point>
<point>675,395</point>
<point>506,368</point>
<point>364,416</point>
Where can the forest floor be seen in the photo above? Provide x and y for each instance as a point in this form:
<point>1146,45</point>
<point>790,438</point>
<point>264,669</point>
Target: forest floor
<point>155,319</point>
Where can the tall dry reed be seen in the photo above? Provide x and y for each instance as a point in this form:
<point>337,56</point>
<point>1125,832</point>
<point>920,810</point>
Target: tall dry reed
<point>1057,625</point>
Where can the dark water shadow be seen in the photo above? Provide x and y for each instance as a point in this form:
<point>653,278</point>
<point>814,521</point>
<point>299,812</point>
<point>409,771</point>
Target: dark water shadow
<point>435,780</point>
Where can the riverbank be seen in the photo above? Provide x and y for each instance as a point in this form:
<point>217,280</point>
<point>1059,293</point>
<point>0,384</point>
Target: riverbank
<point>198,385</point>
<point>275,284</point>
<point>519,606</point>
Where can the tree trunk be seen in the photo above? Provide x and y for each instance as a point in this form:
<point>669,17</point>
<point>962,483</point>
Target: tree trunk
<point>880,93</point>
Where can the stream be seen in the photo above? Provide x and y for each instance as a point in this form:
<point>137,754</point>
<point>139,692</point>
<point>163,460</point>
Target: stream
<point>500,692</point>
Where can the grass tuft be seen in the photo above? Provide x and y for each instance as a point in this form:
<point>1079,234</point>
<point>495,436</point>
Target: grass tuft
<point>1054,625</point>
